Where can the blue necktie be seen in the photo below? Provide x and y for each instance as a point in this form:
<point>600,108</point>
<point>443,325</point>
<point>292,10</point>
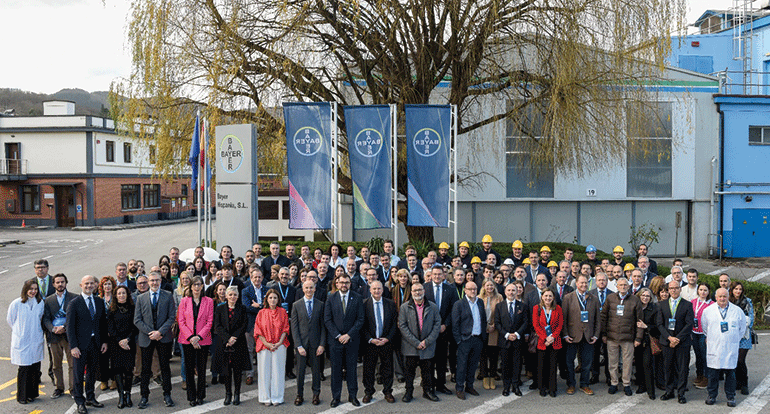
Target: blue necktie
<point>309,309</point>
<point>378,316</point>
<point>438,296</point>
<point>510,310</point>
<point>91,307</point>
<point>154,299</point>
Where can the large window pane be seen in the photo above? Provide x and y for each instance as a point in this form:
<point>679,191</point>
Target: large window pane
<point>649,128</point>
<point>151,195</point>
<point>30,198</point>
<point>129,196</point>
<point>523,179</point>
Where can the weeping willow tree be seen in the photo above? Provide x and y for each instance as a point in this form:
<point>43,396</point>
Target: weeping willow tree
<point>570,64</point>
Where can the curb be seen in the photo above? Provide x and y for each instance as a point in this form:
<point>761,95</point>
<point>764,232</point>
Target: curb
<point>139,225</point>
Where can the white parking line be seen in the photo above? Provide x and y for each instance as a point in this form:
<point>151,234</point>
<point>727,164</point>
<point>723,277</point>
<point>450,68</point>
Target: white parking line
<point>83,247</point>
<point>3,271</point>
<point>65,252</point>
<point>718,271</point>
<point>624,403</point>
<point>38,251</point>
<point>114,394</point>
<point>496,403</point>
<point>759,276</point>
<point>48,257</point>
<point>756,400</point>
<point>25,264</point>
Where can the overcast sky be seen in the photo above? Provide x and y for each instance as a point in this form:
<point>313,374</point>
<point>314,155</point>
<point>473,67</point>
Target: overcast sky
<point>49,45</point>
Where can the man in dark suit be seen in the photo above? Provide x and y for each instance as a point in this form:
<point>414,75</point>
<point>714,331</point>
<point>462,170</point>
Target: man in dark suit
<point>378,332</point>
<point>534,268</point>
<point>581,329</point>
<point>309,332</point>
<point>274,258</point>
<point>675,322</point>
<point>44,280</point>
<point>444,296</point>
<point>54,318</point>
<point>512,323</point>
<point>86,325</point>
<point>155,313</point>
<point>365,289</point>
<point>560,287</point>
<point>469,321</point>
<point>601,292</point>
<point>344,317</point>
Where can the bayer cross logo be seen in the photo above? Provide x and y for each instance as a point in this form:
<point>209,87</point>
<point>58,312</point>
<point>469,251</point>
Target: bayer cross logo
<point>307,141</point>
<point>368,142</point>
<point>427,142</point>
<point>231,154</point>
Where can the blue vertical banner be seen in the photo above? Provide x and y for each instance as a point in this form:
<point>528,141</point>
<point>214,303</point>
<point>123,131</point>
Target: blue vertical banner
<point>369,149</point>
<point>428,140</point>
<point>308,159</point>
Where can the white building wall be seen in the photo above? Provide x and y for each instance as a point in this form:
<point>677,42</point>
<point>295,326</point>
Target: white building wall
<point>49,152</point>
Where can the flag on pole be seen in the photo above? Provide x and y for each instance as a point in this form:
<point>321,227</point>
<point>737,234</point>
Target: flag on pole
<point>205,149</point>
<point>195,151</point>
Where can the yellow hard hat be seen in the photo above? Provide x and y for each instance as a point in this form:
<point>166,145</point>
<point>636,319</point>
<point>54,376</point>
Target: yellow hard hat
<point>618,249</point>
<point>552,264</point>
<point>475,260</point>
<point>465,244</point>
<point>517,245</point>
<point>486,239</point>
<point>545,249</point>
<point>443,245</point>
<point>525,261</point>
<point>628,267</point>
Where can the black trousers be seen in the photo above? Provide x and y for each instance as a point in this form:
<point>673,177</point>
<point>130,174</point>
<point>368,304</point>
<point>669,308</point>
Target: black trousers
<point>600,351</point>
<point>290,356</point>
<point>410,369</point>
<point>742,371</point>
<point>468,356</point>
<point>489,357</point>
<point>86,366</point>
<point>315,368</point>
<point>27,381</point>
<point>511,359</point>
<point>440,359</point>
<point>677,366</point>
<point>347,356</point>
<point>546,369</point>
<point>645,368</point>
<point>195,361</point>
<point>384,354</point>
<point>232,377</point>
<point>164,355</point>
<point>452,350</point>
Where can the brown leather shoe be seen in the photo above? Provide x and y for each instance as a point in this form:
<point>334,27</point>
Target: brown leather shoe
<point>472,391</point>
<point>316,399</point>
<point>389,398</point>
<point>570,390</point>
<point>460,395</point>
<point>299,400</point>
<point>587,390</point>
<point>367,399</point>
<point>249,380</point>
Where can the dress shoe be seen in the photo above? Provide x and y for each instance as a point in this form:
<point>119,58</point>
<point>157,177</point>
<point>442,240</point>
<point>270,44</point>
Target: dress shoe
<point>745,390</point>
<point>129,403</point>
<point>517,391</point>
<point>23,402</point>
<point>142,403</point>
<point>354,401</point>
<point>533,386</point>
<point>460,395</point>
<point>367,399</point>
<point>407,397</point>
<point>316,399</point>
<point>249,380</point>
<point>587,390</point>
<point>192,403</point>
<point>291,375</point>
<point>682,400</point>
<point>641,390</point>
<point>543,393</point>
<point>651,395</point>
<point>594,380</point>
<point>666,397</point>
<point>430,396</point>
<point>570,390</point>
<point>228,399</point>
<point>335,402</point>
<point>552,394</point>
<point>299,400</point>
<point>237,399</point>
<point>731,403</point>
<point>94,403</point>
<point>444,390</point>
<point>56,394</point>
<point>389,398</point>
<point>612,389</point>
<point>711,401</point>
<point>506,392</point>
<point>200,401</point>
<point>471,391</point>
<point>628,391</point>
<point>81,409</point>
<point>167,399</point>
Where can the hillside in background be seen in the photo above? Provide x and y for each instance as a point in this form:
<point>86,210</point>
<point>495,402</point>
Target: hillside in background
<point>31,104</point>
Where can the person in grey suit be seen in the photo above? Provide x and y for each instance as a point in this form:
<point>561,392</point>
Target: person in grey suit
<point>309,334</point>
<point>155,313</point>
<point>469,321</point>
<point>54,319</point>
<point>418,341</point>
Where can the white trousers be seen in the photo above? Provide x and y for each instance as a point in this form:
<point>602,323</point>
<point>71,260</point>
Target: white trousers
<point>271,371</point>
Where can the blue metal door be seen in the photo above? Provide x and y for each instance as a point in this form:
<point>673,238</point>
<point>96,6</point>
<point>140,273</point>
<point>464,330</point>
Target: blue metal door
<point>751,233</point>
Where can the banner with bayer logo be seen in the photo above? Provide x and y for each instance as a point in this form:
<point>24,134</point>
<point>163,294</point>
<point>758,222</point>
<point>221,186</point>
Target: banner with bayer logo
<point>428,141</point>
<point>369,148</point>
<point>308,158</point>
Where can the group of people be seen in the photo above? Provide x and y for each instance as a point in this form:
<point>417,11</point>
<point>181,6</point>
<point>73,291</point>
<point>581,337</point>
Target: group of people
<point>464,317</point>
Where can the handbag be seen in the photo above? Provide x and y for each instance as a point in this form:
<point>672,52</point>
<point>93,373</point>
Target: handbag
<point>533,338</point>
<point>654,345</point>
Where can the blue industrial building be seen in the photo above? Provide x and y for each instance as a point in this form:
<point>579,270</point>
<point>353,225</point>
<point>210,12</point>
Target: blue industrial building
<point>734,45</point>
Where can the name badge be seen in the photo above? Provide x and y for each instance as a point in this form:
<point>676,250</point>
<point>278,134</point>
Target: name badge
<point>285,305</point>
<point>695,324</point>
<point>583,316</point>
<point>620,310</point>
<point>671,324</point>
<point>548,330</point>
<point>724,326</point>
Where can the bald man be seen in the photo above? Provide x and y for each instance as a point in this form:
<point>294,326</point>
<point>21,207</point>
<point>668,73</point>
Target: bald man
<point>469,321</point>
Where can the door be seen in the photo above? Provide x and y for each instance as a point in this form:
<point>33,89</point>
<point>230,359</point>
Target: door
<point>12,158</point>
<point>65,206</point>
<point>751,232</point>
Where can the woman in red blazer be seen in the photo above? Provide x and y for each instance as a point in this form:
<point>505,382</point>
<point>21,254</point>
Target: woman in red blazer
<point>195,318</point>
<point>547,320</point>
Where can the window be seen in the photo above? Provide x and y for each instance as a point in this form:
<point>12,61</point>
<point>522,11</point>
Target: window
<point>129,196</point>
<point>268,210</point>
<point>759,135</point>
<point>152,154</point>
<point>184,189</point>
<point>151,195</point>
<point>30,199</point>
<point>195,196</point>
<point>127,152</point>
<point>522,179</point>
<point>110,147</point>
<point>649,130</point>
<point>286,212</point>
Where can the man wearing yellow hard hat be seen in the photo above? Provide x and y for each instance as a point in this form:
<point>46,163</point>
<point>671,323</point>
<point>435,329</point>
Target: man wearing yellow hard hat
<point>545,256</point>
<point>517,256</point>
<point>618,253</point>
<point>486,249</point>
<point>464,251</point>
<point>444,258</point>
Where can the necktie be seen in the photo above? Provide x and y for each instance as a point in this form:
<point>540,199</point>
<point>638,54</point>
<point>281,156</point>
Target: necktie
<point>378,316</point>
<point>344,305</point>
<point>91,307</point>
<point>510,310</point>
<point>437,294</point>
<point>601,297</point>
<point>154,299</point>
<point>43,287</point>
<point>309,309</point>
<point>561,291</point>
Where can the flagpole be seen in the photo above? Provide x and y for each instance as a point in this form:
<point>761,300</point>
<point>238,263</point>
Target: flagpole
<point>197,184</point>
<point>394,155</point>
<point>208,185</point>
<point>204,161</point>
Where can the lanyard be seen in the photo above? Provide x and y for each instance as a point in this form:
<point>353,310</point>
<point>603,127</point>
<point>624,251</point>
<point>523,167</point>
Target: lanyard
<point>283,293</point>
<point>723,312</point>
<point>548,317</point>
<point>673,306</point>
<point>460,293</point>
<point>699,308</point>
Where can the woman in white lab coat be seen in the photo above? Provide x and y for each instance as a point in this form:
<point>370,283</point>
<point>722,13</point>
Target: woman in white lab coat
<point>27,341</point>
